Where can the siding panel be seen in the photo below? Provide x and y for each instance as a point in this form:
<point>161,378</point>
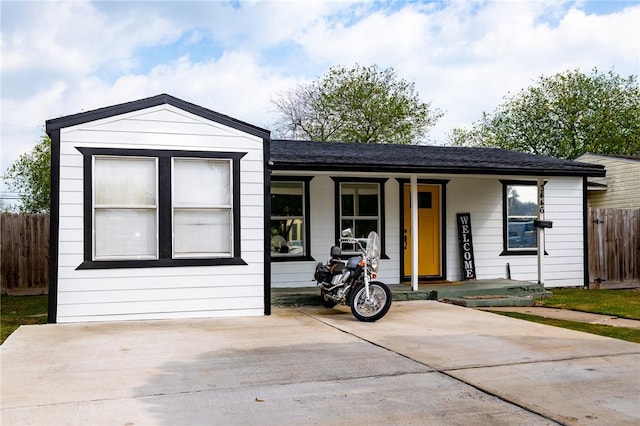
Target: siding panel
<point>146,293</point>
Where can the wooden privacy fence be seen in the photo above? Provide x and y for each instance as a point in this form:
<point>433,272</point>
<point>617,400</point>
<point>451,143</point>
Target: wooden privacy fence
<point>614,248</point>
<point>24,253</point>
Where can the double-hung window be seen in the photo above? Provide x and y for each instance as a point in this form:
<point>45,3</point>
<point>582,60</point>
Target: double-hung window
<point>520,209</point>
<point>156,208</point>
<point>359,207</point>
<point>125,208</point>
<point>202,219</point>
<point>289,218</point>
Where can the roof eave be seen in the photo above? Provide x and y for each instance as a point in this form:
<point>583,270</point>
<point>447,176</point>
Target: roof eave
<point>291,166</point>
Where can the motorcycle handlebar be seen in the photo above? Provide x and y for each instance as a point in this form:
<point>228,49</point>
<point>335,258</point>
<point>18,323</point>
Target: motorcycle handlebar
<point>351,240</point>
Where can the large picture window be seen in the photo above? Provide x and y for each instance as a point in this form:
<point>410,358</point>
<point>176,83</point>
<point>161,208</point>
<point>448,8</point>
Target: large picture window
<point>160,208</point>
<point>289,218</point>
<point>359,207</point>
<point>520,200</point>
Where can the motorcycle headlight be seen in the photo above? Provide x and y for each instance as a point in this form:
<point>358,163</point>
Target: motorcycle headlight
<point>374,264</point>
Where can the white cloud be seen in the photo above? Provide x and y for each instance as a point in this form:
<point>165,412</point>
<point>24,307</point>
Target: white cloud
<point>64,57</point>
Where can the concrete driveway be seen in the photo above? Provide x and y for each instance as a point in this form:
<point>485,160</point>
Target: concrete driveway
<point>424,363</point>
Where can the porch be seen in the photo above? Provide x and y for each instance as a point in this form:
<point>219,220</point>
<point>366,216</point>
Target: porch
<point>478,293</point>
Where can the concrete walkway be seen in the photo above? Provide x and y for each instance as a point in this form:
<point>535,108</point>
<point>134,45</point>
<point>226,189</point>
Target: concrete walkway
<point>424,363</point>
<point>568,315</point>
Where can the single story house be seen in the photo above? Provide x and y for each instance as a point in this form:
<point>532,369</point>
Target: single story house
<point>164,209</point>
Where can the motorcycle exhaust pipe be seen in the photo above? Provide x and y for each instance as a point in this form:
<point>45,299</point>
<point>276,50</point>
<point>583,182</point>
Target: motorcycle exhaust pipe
<point>326,288</point>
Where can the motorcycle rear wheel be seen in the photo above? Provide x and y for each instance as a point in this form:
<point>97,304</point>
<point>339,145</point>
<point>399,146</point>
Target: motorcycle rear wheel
<point>376,307</point>
<point>326,302</point>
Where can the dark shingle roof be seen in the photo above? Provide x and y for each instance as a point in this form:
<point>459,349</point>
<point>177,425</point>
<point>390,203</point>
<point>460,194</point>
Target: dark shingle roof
<point>335,156</point>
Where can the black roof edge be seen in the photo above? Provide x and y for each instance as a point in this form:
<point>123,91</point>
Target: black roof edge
<point>431,170</point>
<point>113,110</point>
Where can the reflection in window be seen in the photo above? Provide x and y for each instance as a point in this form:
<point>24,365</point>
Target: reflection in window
<point>287,219</point>
<point>521,211</point>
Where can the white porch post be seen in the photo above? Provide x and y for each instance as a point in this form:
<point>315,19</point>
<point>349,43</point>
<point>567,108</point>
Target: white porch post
<point>414,233</point>
<point>540,231</point>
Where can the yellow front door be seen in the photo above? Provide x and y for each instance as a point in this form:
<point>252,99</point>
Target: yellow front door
<point>428,231</point>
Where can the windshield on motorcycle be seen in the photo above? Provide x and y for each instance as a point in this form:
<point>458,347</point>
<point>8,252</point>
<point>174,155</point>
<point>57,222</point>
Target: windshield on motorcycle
<point>373,251</point>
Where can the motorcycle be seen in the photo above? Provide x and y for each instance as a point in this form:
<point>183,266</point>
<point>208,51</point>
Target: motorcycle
<point>351,282</point>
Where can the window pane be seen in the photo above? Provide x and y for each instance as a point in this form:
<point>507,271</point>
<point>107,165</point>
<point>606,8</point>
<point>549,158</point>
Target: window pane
<point>424,200</point>
<point>201,182</point>
<point>522,209</point>
<point>125,234</point>
<point>202,232</point>
<point>344,224</point>
<point>348,206</point>
<point>364,226</point>
<point>522,234</point>
<point>367,205</point>
<point>359,199</point>
<point>522,200</point>
<point>286,199</point>
<point>125,181</point>
<point>287,237</point>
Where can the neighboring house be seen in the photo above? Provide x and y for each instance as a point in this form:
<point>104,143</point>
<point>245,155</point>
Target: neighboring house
<point>164,209</point>
<point>620,188</point>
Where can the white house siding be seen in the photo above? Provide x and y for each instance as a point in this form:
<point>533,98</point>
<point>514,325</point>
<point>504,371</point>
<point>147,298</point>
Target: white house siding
<point>150,293</point>
<point>482,197</point>
<point>622,189</point>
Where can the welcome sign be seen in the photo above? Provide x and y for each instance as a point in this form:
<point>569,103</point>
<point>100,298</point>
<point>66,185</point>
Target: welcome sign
<point>467,261</point>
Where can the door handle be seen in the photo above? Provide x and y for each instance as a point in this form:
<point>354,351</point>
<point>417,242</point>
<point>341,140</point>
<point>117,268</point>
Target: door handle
<point>405,239</point>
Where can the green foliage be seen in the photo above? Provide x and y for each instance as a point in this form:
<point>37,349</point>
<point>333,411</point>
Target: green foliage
<point>359,104</point>
<point>30,177</point>
<point>564,116</point>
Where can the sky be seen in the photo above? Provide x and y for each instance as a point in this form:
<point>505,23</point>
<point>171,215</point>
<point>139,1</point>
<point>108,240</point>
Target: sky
<point>63,57</point>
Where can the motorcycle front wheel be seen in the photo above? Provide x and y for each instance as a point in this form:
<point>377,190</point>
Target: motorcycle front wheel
<point>375,307</point>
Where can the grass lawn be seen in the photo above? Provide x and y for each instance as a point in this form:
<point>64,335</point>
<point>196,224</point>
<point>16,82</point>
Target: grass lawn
<point>618,303</point>
<point>622,333</point>
<point>21,310</point>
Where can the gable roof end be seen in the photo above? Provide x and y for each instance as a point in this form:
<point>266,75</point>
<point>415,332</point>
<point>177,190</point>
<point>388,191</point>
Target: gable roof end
<point>114,110</point>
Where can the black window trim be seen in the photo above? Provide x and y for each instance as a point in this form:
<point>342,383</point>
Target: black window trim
<point>505,231</point>
<point>338,232</point>
<point>307,218</point>
<point>165,255</point>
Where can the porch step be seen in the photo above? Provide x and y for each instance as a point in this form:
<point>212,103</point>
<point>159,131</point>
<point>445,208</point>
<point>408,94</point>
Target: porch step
<point>490,301</point>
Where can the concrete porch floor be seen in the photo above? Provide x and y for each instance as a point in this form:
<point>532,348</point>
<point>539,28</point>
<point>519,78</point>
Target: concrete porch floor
<point>478,293</point>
